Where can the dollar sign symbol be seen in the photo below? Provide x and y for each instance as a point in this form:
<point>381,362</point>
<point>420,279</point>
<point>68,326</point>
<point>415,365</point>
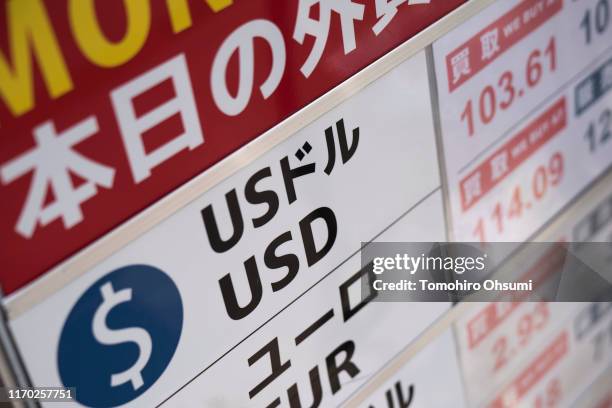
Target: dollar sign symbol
<point>107,336</point>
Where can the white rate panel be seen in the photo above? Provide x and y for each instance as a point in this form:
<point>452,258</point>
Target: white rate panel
<point>430,379</point>
<point>522,134</point>
<point>327,343</point>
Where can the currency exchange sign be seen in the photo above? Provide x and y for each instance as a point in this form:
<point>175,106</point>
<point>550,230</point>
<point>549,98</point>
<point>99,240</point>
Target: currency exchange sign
<point>106,109</point>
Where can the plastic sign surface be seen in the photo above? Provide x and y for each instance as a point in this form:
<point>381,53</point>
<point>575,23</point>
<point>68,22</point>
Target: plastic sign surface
<point>257,261</point>
<point>524,91</point>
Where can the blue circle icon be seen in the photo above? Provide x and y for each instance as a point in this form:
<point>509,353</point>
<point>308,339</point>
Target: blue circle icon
<point>120,336</point>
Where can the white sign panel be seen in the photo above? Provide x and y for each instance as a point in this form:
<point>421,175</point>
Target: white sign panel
<point>327,343</point>
<point>599,394</point>
<point>495,339</point>
<point>522,135</point>
<point>568,362</point>
<point>154,315</point>
<point>430,379</point>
